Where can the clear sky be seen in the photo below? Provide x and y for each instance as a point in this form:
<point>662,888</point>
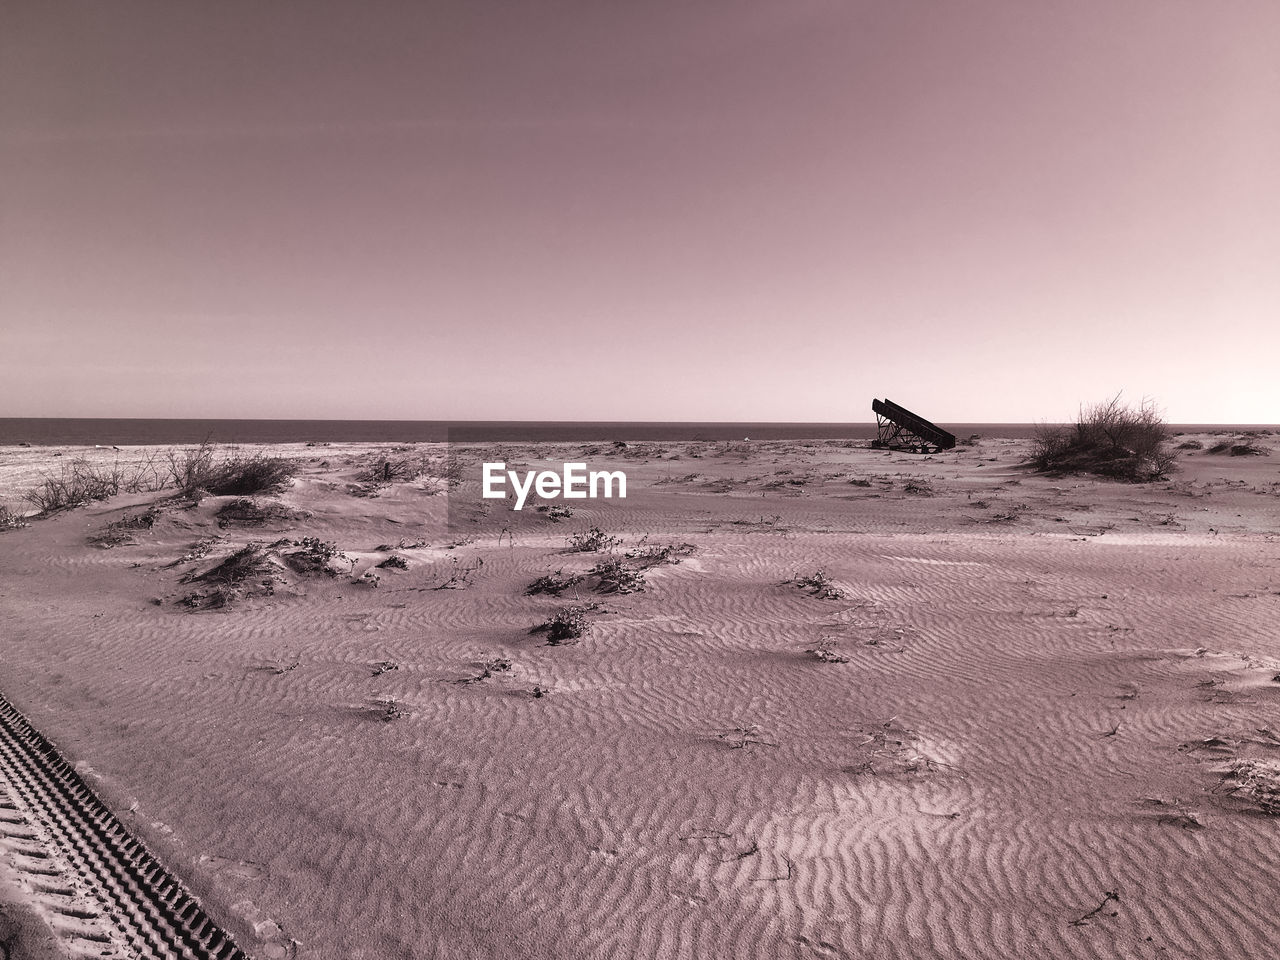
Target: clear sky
<point>987,210</point>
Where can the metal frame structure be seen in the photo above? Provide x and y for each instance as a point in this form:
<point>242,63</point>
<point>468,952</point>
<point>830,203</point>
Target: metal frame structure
<point>897,428</point>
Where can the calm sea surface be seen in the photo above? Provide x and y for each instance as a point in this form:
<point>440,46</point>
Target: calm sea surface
<point>50,432</point>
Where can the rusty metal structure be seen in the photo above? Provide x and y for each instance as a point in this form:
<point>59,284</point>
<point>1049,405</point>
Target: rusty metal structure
<point>897,428</point>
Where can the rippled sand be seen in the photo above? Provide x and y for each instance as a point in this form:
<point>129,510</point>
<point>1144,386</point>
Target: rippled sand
<point>1017,743</point>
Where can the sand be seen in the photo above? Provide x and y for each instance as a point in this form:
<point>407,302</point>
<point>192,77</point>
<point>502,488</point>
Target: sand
<point>1017,739</point>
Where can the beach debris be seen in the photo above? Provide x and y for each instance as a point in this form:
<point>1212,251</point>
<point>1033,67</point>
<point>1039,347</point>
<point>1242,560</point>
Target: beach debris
<point>825,651</point>
<point>488,669</point>
<point>1258,781</point>
<point>819,585</point>
<point>387,709</point>
<point>1111,897</point>
<point>743,736</point>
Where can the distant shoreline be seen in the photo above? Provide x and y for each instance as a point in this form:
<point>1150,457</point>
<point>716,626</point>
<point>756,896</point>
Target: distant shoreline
<point>57,431</point>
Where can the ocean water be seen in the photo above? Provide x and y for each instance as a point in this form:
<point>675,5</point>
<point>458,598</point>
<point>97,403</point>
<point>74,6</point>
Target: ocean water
<point>89,431</point>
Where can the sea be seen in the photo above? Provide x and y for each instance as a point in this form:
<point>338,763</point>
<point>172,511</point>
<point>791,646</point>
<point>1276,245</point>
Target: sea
<point>104,432</point>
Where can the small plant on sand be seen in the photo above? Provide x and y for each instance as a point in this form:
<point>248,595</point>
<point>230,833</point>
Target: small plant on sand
<point>394,562</point>
<point>314,556</point>
<point>553,584</point>
<point>555,512</point>
<point>9,519</point>
<point>247,512</point>
<point>1259,782</point>
<point>825,651</point>
<point>592,541</point>
<point>616,576</point>
<point>387,709</point>
<point>745,735</point>
<point>450,470</point>
<point>646,556</point>
<point>460,574</point>
<point>1109,439</point>
<point>820,585</point>
<point>387,468</point>
<point>489,669</point>
<point>199,550</point>
<point>120,532</point>
<point>215,599</point>
<point>567,623</point>
<point>246,563</point>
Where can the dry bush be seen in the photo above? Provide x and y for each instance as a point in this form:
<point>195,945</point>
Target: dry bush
<point>654,555</point>
<point>315,556</point>
<point>1258,781</point>
<point>120,532</point>
<point>451,469</point>
<point>616,576</point>
<point>567,623</point>
<point>245,512</point>
<point>10,519</point>
<point>553,584</point>
<point>819,585</point>
<point>825,651</point>
<point>235,475</point>
<point>387,469</point>
<point>593,540</point>
<point>247,562</point>
<point>1109,439</point>
<point>80,482</point>
<point>1240,447</point>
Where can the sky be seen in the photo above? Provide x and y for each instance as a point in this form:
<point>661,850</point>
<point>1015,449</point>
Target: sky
<point>985,210</point>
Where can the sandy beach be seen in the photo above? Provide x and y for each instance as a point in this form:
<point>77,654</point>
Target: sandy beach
<point>844,703</point>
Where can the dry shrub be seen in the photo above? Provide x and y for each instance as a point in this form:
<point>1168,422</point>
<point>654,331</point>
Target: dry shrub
<point>819,585</point>
<point>80,482</point>
<point>593,540</point>
<point>10,519</point>
<point>1240,447</point>
<point>654,555</point>
<point>234,475</point>
<point>553,584</point>
<point>245,512</point>
<point>567,623</point>
<point>247,562</point>
<point>120,532</point>
<point>1109,439</point>
<point>315,556</point>
<point>1258,781</point>
<point>616,576</point>
<point>386,468</point>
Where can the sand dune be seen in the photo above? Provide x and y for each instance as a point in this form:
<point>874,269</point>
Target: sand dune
<point>1025,751</point>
